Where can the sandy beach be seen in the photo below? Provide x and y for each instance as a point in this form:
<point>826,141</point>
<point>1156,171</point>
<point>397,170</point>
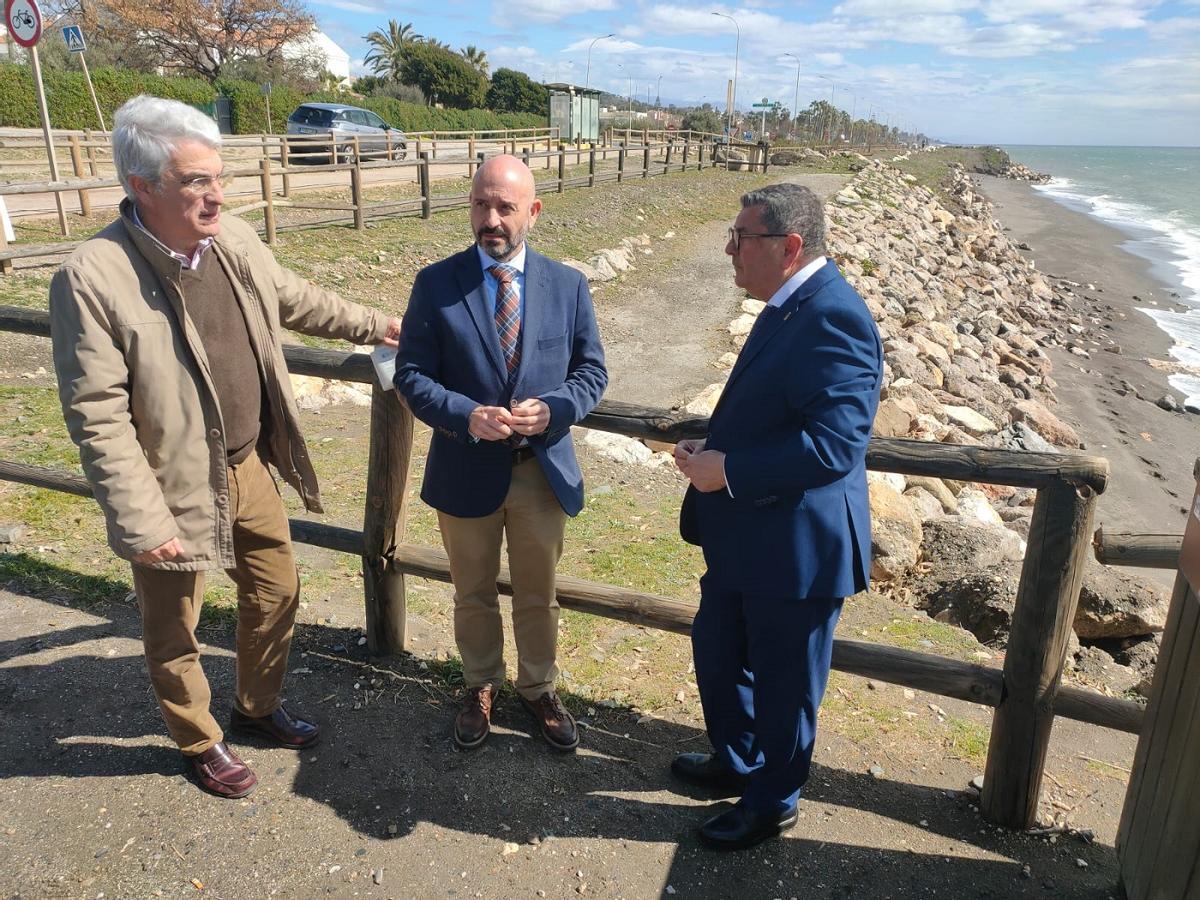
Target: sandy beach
<point>1110,396</point>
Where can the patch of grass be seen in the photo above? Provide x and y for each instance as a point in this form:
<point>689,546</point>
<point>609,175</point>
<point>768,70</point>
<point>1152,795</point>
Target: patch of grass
<point>926,635</point>
<point>967,740</point>
<point>869,266</point>
<point>43,578</point>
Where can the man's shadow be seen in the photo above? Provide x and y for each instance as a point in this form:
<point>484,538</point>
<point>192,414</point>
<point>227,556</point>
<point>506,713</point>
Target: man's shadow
<point>387,764</point>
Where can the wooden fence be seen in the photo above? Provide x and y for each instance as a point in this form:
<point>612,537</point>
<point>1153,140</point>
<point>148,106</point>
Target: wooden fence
<point>1026,694</point>
<point>273,188</point>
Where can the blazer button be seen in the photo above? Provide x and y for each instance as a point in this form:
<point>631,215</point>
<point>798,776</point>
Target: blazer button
<point>222,499</point>
<point>214,432</point>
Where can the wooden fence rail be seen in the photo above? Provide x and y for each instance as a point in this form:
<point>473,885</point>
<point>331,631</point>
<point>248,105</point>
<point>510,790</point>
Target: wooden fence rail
<point>1150,551</point>
<point>1026,694</point>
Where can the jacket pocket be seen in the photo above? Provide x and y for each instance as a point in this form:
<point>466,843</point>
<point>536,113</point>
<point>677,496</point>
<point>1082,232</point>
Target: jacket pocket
<point>551,342</point>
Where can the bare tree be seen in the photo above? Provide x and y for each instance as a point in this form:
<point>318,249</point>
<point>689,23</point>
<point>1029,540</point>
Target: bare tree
<point>205,36</point>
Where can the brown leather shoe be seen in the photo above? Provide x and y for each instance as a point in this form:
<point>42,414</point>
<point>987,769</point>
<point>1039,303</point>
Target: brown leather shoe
<point>221,772</point>
<point>280,727</point>
<point>557,725</point>
<point>474,719</point>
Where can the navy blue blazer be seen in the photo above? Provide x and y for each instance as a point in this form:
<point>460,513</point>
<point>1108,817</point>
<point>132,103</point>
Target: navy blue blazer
<point>449,362</point>
<point>794,421</point>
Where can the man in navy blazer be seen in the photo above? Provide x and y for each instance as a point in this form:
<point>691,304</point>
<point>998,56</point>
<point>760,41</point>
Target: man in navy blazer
<point>499,353</point>
<point>778,502</point>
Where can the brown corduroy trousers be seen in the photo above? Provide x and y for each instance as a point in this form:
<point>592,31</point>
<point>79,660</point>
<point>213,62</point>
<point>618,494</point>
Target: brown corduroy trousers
<point>268,596</point>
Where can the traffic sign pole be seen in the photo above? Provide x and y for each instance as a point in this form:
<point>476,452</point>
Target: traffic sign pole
<point>23,20</point>
<point>45,111</point>
<point>91,90</point>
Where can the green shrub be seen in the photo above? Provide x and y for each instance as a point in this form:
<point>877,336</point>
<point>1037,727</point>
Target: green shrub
<point>70,104</point>
<point>71,107</point>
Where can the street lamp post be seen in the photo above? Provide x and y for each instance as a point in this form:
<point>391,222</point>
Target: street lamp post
<point>736,46</point>
<point>853,109</point>
<point>658,94</point>
<point>796,95</point>
<point>587,78</point>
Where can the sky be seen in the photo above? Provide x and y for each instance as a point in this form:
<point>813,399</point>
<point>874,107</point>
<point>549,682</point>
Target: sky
<point>1107,72</point>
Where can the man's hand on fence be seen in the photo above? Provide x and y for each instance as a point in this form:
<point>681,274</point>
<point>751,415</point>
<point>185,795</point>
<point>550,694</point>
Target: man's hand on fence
<point>162,553</point>
<point>490,423</point>
<point>530,417</point>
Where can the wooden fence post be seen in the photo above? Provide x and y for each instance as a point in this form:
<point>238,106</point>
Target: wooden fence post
<point>93,169</point>
<point>356,191</point>
<point>424,181</point>
<point>687,146</point>
<point>471,156</point>
<point>766,155</point>
<point>670,147</point>
<point>1059,535</point>
<point>268,199</point>
<point>562,168</point>
<point>645,160</point>
<point>525,156</point>
<point>700,156</point>
<point>592,166</point>
<point>285,161</point>
<point>620,161</point>
<point>85,200</point>
<point>384,520</point>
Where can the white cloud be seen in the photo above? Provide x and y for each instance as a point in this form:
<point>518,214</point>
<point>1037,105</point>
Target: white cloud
<point>892,9</point>
<point>349,6</point>
<point>1011,40</point>
<point>553,10</point>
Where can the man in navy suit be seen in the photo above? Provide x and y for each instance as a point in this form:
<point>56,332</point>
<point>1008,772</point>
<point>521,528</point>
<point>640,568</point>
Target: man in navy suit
<point>499,353</point>
<point>778,502</point>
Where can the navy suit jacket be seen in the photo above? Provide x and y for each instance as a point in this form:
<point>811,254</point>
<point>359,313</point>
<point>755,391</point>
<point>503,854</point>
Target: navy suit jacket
<point>449,362</point>
<point>794,421</point>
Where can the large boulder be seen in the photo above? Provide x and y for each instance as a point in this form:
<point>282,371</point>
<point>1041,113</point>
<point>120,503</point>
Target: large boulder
<point>895,532</point>
<point>964,546</point>
<point>892,419</point>
<point>1045,423</point>
<point>982,603</point>
<point>1115,604</point>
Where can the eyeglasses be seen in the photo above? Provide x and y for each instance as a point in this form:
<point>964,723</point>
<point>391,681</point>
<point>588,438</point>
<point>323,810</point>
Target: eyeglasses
<point>736,237</point>
<point>200,185</point>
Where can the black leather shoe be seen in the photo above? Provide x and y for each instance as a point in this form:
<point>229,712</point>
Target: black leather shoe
<point>707,771</point>
<point>280,728</point>
<point>739,828</point>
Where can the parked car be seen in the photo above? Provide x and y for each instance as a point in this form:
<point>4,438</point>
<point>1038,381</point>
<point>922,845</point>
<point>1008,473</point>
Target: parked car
<point>346,123</point>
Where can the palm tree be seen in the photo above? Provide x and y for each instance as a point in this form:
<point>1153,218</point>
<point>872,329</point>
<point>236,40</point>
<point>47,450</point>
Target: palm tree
<point>387,49</point>
<point>477,58</point>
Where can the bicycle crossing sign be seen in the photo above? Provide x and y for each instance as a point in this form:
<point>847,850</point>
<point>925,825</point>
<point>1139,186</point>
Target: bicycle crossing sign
<point>73,35</point>
<point>24,21</point>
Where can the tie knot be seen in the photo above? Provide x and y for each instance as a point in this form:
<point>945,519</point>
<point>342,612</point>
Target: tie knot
<point>502,273</point>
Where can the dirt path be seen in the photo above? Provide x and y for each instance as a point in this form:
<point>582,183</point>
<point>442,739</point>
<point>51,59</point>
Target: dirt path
<point>663,341</point>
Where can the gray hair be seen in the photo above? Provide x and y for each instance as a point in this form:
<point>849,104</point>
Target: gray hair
<point>791,209</point>
<point>147,130</point>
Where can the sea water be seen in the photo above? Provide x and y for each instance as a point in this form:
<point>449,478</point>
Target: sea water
<point>1152,195</point>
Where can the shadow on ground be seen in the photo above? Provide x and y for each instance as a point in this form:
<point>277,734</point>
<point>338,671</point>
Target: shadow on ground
<point>78,711</point>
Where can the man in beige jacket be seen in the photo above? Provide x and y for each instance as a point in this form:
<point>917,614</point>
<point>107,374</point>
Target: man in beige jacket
<point>166,330</point>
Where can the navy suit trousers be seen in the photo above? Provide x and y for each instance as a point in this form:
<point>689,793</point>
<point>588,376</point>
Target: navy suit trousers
<point>762,663</point>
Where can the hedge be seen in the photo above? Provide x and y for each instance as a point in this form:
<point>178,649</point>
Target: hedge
<point>71,107</point>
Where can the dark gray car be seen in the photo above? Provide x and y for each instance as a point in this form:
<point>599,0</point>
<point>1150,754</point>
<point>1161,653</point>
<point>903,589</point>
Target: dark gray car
<point>346,123</point>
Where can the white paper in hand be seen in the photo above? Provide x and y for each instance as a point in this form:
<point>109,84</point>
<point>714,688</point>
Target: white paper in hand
<point>384,358</point>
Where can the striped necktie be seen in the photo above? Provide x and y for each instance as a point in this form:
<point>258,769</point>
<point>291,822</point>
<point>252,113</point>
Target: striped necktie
<point>508,316</point>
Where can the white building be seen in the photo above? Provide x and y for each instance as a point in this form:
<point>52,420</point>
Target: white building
<point>337,60</point>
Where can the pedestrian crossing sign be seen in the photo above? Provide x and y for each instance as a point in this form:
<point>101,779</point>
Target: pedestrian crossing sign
<point>73,35</point>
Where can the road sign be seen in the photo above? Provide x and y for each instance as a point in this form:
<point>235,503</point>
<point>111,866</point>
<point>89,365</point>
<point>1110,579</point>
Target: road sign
<point>24,21</point>
<point>73,35</point>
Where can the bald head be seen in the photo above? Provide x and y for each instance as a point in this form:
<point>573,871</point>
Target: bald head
<point>504,206</point>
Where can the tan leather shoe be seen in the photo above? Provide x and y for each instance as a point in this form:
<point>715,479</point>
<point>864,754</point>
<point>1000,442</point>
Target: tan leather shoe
<point>221,772</point>
<point>474,719</point>
<point>556,723</point>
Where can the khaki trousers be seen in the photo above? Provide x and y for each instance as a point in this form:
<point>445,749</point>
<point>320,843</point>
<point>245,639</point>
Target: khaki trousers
<point>268,596</point>
<point>533,522</point>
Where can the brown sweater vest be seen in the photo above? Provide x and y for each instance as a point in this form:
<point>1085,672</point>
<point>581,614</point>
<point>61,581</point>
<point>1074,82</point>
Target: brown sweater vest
<point>214,310</point>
